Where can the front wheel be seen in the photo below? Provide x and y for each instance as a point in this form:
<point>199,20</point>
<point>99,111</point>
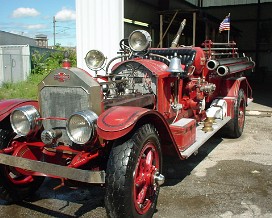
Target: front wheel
<point>15,186</point>
<point>133,175</point>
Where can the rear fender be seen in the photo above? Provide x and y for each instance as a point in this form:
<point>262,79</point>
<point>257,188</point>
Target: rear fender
<point>233,85</point>
<point>119,121</point>
<point>7,106</point>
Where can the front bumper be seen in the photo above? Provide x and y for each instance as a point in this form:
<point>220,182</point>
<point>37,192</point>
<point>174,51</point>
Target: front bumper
<point>49,169</point>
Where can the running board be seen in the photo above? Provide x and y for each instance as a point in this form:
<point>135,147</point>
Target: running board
<point>53,169</point>
<point>202,137</point>
<point>249,100</point>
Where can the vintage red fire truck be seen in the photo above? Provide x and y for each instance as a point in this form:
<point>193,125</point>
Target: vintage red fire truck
<point>116,129</point>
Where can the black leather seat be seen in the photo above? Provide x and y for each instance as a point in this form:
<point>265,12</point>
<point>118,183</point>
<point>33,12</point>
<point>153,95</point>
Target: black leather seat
<point>186,55</point>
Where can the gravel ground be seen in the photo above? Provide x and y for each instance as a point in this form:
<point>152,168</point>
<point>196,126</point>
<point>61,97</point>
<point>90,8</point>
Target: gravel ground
<point>228,178</point>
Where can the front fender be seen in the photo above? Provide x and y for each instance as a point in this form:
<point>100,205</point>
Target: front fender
<point>7,106</point>
<point>118,121</point>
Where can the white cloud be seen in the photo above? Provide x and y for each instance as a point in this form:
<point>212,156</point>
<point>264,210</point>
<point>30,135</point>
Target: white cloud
<point>65,15</point>
<point>36,26</point>
<point>25,12</point>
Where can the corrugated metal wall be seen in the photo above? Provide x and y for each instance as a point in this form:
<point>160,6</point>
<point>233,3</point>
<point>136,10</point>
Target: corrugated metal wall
<point>209,3</point>
<point>99,25</point>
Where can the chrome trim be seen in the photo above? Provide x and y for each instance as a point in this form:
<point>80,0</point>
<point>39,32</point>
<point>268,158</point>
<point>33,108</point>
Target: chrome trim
<point>90,117</point>
<point>31,114</point>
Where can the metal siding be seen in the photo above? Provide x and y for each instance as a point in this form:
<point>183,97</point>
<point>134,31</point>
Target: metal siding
<point>230,2</point>
<point>99,25</point>
<point>14,63</point>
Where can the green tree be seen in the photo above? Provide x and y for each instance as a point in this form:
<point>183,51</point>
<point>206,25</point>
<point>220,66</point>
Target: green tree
<point>42,64</point>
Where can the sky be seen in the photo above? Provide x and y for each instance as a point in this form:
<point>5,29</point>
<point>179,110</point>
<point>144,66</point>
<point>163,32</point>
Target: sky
<point>32,17</point>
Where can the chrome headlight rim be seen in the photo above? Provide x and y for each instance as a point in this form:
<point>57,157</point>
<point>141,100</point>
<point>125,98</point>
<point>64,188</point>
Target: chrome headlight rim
<point>95,59</point>
<point>76,133</point>
<point>25,120</point>
<point>139,40</point>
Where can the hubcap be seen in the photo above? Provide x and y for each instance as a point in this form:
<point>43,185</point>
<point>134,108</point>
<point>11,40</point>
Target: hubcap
<point>158,178</point>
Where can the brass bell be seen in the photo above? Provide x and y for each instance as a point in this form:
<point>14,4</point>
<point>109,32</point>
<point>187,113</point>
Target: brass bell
<point>210,119</point>
<point>207,126</point>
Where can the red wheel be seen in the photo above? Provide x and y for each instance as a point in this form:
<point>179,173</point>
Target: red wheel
<point>241,114</point>
<point>14,184</point>
<point>133,175</point>
<point>144,184</point>
<point>235,126</point>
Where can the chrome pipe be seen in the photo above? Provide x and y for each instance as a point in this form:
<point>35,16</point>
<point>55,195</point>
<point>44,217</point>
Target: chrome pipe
<point>213,64</point>
<point>223,43</point>
<point>224,70</point>
<point>219,49</point>
<point>224,54</point>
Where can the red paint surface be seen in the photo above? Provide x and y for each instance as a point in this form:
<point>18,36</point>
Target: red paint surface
<point>7,106</point>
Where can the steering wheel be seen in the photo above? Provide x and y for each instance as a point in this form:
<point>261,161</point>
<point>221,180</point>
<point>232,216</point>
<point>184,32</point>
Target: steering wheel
<point>123,44</point>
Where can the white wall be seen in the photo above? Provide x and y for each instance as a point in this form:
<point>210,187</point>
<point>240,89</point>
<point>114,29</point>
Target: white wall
<point>99,25</point>
<point>14,63</point>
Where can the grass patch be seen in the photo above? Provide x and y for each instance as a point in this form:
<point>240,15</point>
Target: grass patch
<point>27,89</point>
<point>41,66</point>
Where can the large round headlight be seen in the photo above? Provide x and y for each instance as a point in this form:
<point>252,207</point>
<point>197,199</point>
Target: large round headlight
<point>81,126</point>
<point>94,59</point>
<point>139,40</point>
<point>24,120</point>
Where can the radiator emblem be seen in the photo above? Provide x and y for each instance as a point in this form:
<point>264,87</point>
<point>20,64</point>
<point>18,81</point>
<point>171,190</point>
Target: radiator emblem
<point>61,77</point>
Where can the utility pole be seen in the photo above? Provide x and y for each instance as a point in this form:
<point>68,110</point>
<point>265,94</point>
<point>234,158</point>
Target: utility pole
<point>54,28</point>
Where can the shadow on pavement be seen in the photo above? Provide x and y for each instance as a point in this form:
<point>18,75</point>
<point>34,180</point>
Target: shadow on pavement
<point>262,90</point>
<point>176,170</point>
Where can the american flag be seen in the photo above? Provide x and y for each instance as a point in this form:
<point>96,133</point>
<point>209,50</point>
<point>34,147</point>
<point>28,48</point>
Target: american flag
<point>225,24</point>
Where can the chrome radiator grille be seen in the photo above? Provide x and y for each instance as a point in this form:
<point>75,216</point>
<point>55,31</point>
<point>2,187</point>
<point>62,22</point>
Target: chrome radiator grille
<point>61,102</point>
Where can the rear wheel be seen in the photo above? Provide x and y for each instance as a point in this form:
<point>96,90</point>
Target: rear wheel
<point>15,186</point>
<point>236,125</point>
<point>133,175</point>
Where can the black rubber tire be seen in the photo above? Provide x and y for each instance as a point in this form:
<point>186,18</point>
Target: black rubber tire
<point>235,127</point>
<point>121,169</point>
<point>8,190</point>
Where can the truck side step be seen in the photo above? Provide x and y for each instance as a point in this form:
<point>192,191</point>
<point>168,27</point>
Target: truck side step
<point>202,137</point>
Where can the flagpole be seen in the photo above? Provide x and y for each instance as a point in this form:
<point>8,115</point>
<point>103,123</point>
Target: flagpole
<point>229,28</point>
<point>228,35</point>
<point>225,25</point>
